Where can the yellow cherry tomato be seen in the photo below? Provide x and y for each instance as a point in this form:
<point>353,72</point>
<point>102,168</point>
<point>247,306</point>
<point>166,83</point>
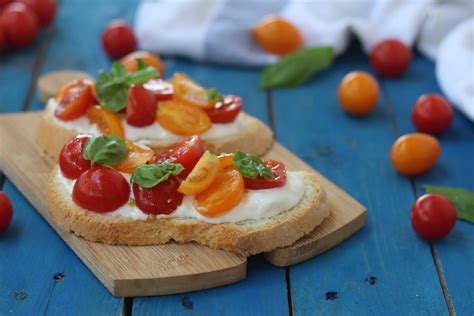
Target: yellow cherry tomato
<point>182,118</point>
<point>278,36</point>
<point>226,160</point>
<point>414,153</point>
<point>137,156</point>
<point>358,93</point>
<point>188,91</point>
<point>108,122</point>
<point>202,175</point>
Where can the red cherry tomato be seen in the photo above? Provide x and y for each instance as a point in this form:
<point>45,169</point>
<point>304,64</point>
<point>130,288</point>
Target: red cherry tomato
<point>433,216</point>
<point>226,111</point>
<point>118,39</point>
<point>187,153</point>
<point>278,179</point>
<point>101,190</point>
<point>3,40</point>
<point>6,212</point>
<point>163,198</point>
<point>45,10</point>
<point>141,107</point>
<point>432,114</point>
<point>19,24</point>
<point>163,90</point>
<point>71,161</point>
<point>75,100</point>
<point>390,58</point>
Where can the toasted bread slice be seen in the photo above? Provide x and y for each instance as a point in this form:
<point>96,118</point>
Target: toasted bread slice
<point>255,137</point>
<point>246,237</point>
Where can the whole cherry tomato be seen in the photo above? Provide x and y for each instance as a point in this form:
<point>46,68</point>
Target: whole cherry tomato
<point>6,212</point>
<point>130,61</point>
<point>3,40</point>
<point>390,58</point>
<point>358,93</point>
<point>71,160</point>
<point>187,153</point>
<point>45,10</point>
<point>101,189</point>
<point>163,198</point>
<point>118,39</point>
<point>433,216</point>
<point>225,111</point>
<point>432,114</point>
<point>74,100</point>
<point>141,107</point>
<point>414,153</point>
<point>161,89</point>
<point>278,177</point>
<point>278,36</point>
<point>19,24</point>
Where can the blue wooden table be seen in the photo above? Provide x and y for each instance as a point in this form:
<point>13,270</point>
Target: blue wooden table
<point>385,269</point>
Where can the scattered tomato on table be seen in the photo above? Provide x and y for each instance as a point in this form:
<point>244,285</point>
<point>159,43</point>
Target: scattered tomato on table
<point>433,216</point>
<point>6,212</point>
<point>358,93</point>
<point>278,36</point>
<point>118,39</point>
<point>415,153</point>
<point>390,58</point>
<point>20,25</point>
<point>45,10</point>
<point>432,114</point>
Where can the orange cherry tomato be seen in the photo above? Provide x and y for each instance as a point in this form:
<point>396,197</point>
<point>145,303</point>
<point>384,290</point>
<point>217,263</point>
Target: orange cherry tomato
<point>189,91</point>
<point>358,93</point>
<point>414,153</point>
<point>136,157</point>
<point>202,174</point>
<point>222,195</point>
<point>130,62</point>
<point>74,99</point>
<point>226,160</point>
<point>108,122</point>
<point>278,36</point>
<point>182,119</point>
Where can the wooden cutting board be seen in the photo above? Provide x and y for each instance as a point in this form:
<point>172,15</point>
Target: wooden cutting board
<point>171,268</point>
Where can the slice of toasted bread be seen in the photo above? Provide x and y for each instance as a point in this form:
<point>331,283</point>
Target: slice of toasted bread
<point>255,137</point>
<point>246,237</point>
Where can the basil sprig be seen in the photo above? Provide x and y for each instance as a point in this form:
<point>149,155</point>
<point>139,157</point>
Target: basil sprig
<point>296,68</point>
<point>105,150</point>
<point>147,176</point>
<point>462,199</point>
<point>213,95</point>
<point>251,166</point>
<point>112,87</point>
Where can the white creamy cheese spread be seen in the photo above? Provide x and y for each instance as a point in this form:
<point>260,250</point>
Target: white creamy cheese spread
<point>148,134</point>
<point>255,204</point>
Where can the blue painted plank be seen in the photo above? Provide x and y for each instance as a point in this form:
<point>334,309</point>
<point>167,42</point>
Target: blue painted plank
<point>384,269</point>
<point>455,168</point>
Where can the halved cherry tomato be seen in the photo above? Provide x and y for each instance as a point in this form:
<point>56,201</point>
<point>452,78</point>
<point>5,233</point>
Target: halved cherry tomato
<point>74,100</point>
<point>130,61</point>
<point>226,111</point>
<point>136,157</point>
<point>183,119</point>
<point>278,36</point>
<point>226,160</point>
<point>141,107</point>
<point>278,180</point>
<point>161,89</point>
<point>163,198</point>
<point>222,195</point>
<point>190,92</point>
<point>101,189</point>
<point>202,175</point>
<point>71,159</point>
<point>107,121</point>
<point>187,153</point>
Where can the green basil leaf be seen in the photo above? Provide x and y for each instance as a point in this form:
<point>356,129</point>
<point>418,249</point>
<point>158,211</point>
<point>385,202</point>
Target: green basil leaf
<point>296,68</point>
<point>147,176</point>
<point>141,64</point>
<point>251,166</point>
<point>213,95</point>
<point>462,199</point>
<point>105,150</point>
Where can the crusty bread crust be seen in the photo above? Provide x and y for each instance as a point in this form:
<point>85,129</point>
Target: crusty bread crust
<point>245,238</point>
<point>256,138</point>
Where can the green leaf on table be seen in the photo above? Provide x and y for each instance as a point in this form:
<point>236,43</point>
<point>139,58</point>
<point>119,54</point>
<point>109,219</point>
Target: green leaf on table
<point>251,166</point>
<point>112,87</point>
<point>147,176</point>
<point>105,150</point>
<point>462,199</point>
<point>296,68</point>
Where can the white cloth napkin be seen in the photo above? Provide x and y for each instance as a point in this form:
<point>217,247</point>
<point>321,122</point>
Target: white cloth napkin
<point>219,31</point>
